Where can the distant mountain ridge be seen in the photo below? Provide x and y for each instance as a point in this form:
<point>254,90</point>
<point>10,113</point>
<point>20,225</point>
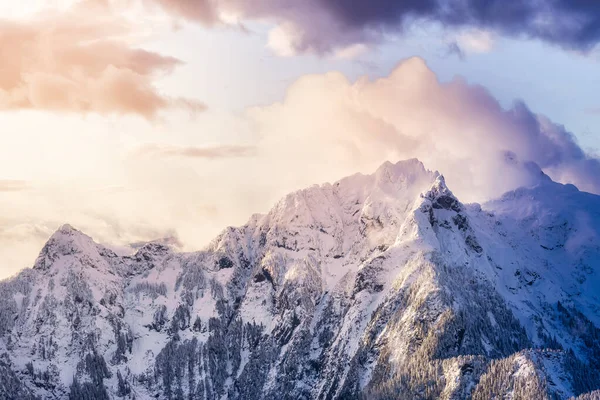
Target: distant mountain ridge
<point>381,286</point>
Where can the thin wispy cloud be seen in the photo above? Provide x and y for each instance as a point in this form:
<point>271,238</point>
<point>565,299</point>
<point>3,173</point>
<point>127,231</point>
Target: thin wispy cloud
<point>209,152</point>
<point>8,185</point>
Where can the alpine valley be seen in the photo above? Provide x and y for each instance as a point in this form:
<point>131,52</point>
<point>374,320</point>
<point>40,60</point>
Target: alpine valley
<point>382,286</point>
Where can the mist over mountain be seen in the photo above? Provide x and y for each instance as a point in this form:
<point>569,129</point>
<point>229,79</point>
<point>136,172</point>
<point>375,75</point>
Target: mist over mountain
<point>381,286</point>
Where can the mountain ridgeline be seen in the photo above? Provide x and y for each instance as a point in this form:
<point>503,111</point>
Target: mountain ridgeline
<point>381,286</point>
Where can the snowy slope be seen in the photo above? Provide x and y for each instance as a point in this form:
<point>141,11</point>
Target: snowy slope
<point>377,286</point>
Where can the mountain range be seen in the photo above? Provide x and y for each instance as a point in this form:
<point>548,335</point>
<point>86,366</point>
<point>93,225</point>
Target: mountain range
<point>381,286</point>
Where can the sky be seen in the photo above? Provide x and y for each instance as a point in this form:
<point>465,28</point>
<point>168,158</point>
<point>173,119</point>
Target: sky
<point>135,120</point>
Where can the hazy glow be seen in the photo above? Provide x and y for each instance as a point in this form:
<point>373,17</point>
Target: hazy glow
<point>125,188</point>
<point>96,97</point>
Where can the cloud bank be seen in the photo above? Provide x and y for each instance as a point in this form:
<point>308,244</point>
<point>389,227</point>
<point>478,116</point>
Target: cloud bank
<point>325,128</point>
<point>324,25</point>
<point>329,126</point>
<point>82,60</point>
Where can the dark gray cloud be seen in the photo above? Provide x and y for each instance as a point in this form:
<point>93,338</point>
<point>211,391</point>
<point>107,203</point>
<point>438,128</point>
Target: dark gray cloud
<point>571,23</point>
<point>321,25</point>
<point>454,49</point>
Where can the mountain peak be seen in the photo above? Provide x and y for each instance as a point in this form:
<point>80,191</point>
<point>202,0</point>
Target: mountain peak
<point>67,233</point>
<point>326,296</point>
<point>440,185</point>
<point>65,241</point>
<point>403,171</point>
<point>442,197</point>
<point>67,228</point>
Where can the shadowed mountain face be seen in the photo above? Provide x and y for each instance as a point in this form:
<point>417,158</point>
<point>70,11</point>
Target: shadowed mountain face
<point>379,286</point>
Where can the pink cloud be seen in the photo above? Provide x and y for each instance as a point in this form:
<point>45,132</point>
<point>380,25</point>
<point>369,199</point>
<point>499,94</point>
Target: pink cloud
<point>81,61</point>
<point>204,11</point>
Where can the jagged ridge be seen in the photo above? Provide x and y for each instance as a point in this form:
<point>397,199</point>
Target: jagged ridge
<point>376,286</point>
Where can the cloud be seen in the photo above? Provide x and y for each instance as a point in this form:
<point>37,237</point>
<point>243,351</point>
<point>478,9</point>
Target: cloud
<point>82,60</point>
<point>204,11</point>
<point>8,185</point>
<point>351,52</point>
<point>476,41</point>
<point>223,151</point>
<point>329,25</point>
<point>20,242</point>
<point>454,49</point>
<point>328,127</point>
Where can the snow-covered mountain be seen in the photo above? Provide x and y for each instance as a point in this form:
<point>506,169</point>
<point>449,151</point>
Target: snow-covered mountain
<point>381,286</point>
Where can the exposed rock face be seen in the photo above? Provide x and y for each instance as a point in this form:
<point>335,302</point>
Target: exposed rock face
<point>383,286</point>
